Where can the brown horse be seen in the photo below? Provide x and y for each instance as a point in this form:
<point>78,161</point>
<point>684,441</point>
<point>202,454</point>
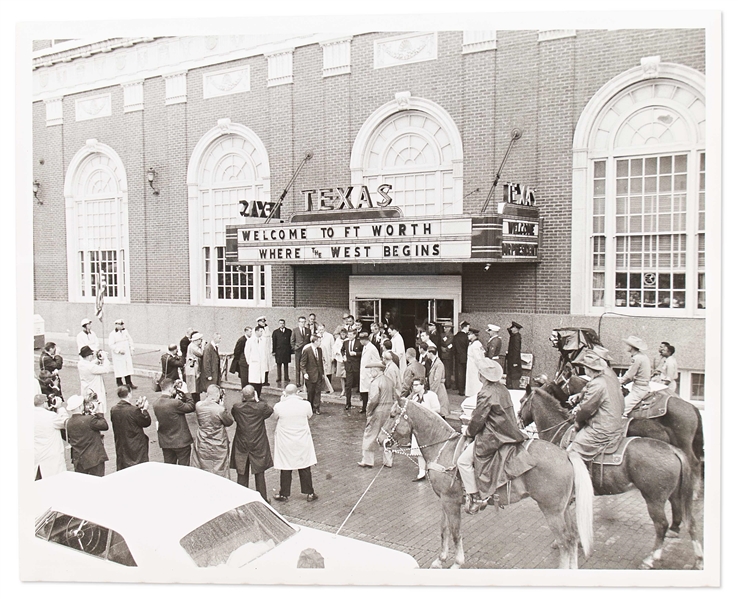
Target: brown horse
<point>681,426</point>
<point>660,471</point>
<point>552,483</point>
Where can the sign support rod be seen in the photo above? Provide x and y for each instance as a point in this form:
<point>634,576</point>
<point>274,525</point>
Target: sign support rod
<point>308,156</point>
<point>515,135</point>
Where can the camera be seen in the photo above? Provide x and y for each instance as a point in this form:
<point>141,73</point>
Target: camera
<point>53,402</point>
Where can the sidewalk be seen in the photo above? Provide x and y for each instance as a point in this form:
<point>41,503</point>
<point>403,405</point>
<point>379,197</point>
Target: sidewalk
<point>147,364</point>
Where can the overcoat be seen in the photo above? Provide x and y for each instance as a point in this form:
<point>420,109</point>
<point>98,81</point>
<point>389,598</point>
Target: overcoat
<point>437,384</point>
<point>392,372</point>
<point>83,434</point>
<point>513,362</point>
<point>474,354</point>
<point>210,368</point>
<point>131,442</point>
<point>494,426</point>
<point>250,443</point>
<point>192,368</point>
<point>494,347</point>
<point>368,355</point>
<point>600,415</point>
<point>170,365</point>
<point>381,400</point>
<point>293,443</point>
<point>256,357</point>
<point>90,377</point>
<point>121,352</point>
<point>239,365</point>
<point>268,349</point>
<point>326,344</point>
<point>173,431</point>
<point>281,347</point>
<point>48,447</point>
<point>211,446</point>
<point>398,347</point>
<point>414,370</point>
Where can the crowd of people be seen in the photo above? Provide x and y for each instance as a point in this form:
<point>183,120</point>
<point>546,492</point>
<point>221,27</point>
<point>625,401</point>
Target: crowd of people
<point>373,362</point>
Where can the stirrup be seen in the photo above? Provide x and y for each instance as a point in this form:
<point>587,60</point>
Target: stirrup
<point>474,503</point>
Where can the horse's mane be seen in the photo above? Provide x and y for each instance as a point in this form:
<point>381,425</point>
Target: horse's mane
<point>435,418</point>
<point>561,410</point>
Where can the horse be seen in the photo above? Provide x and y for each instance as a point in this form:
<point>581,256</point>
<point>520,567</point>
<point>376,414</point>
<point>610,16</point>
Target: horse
<point>557,478</point>
<point>660,471</point>
<point>681,426</point>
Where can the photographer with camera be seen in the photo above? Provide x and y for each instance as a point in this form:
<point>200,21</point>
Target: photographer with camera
<point>211,441</point>
<point>51,361</point>
<point>86,421</point>
<point>91,367</point>
<point>175,438</point>
<point>48,448</point>
<point>129,418</point>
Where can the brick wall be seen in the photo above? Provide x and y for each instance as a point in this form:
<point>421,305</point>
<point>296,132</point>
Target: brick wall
<point>540,88</point>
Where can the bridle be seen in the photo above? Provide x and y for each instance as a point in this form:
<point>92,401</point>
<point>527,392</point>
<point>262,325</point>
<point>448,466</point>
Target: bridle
<point>557,426</point>
<point>403,450</point>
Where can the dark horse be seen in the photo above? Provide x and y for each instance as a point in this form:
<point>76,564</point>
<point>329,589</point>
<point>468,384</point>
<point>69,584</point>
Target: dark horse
<point>660,471</point>
<point>552,483</point>
<point>681,426</point>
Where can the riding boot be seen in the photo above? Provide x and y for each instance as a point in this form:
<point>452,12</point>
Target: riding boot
<point>474,503</point>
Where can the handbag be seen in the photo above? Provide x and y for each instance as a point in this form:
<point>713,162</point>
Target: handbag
<point>156,382</point>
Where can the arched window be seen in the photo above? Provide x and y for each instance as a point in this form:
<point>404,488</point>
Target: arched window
<point>228,166</point>
<point>413,145</point>
<point>96,196</point>
<point>643,200</point>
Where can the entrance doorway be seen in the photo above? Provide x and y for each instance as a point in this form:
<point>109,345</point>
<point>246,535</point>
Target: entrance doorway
<point>409,316</point>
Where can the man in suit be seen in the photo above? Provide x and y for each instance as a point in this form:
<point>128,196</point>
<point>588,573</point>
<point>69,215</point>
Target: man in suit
<point>311,363</point>
<point>445,352</point>
<point>129,420</point>
<point>210,364</point>
<point>376,337</point>
<point>461,347</point>
<point>251,449</point>
<point>300,338</point>
<point>434,334</point>
<point>239,365</point>
<point>414,370</point>
<point>185,341</point>
<point>174,434</point>
<point>282,350</point>
<point>312,324</point>
<point>494,345</point>
<point>513,361</point>
<point>437,381</point>
<point>171,362</point>
<point>83,434</point>
<point>352,363</point>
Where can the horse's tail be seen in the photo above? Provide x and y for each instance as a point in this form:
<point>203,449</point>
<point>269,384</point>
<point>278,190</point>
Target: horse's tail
<point>698,443</point>
<point>686,485</point>
<point>584,499</point>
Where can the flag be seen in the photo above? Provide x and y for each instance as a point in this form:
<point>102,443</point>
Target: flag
<point>99,299</point>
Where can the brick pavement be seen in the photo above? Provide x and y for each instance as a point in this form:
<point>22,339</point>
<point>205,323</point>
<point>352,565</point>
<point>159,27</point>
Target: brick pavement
<point>405,515</point>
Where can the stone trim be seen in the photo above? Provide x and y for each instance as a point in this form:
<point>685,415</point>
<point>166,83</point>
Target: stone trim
<point>176,88</point>
<point>279,66</point>
<point>555,34</point>
<point>54,112</point>
<point>133,98</point>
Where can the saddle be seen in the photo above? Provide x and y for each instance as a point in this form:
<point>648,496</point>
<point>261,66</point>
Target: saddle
<point>612,455</point>
<point>654,405</point>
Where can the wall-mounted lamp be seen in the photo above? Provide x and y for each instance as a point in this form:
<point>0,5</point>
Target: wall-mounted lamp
<point>36,188</point>
<point>487,266</point>
<point>150,176</point>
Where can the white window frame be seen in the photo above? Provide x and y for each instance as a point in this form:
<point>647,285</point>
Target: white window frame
<point>582,187</point>
<point>195,213</point>
<point>71,184</point>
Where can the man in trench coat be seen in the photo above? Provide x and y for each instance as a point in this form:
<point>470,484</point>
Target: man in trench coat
<point>282,350</point>
<point>251,449</point>
<point>121,349</point>
<point>381,399</point>
<point>210,365</point>
<point>129,420</point>
<point>211,446</point>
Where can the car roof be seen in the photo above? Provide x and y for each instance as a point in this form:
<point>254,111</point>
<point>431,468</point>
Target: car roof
<point>145,498</point>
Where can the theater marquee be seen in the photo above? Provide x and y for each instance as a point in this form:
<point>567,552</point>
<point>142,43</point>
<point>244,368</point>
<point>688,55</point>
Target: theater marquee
<point>380,233</point>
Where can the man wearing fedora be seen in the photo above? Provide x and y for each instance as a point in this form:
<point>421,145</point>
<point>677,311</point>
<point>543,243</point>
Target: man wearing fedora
<point>494,344</point>
<point>121,348</point>
<point>513,361</point>
<point>599,416</point>
<point>487,463</point>
<point>381,399</point>
<point>639,372</point>
<point>87,336</point>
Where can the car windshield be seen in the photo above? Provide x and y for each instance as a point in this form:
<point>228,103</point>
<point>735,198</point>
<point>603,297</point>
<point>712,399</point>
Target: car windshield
<point>237,536</point>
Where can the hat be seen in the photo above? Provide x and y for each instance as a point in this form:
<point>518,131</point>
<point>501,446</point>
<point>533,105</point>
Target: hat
<point>490,369</point>
<point>363,335</point>
<point>196,336</point>
<point>172,346</point>
<point>463,324</point>
<point>119,321</point>
<point>85,351</point>
<point>602,352</point>
<point>493,327</point>
<point>261,318</point>
<point>475,331</point>
<point>375,365</point>
<point>74,402</point>
<point>591,360</point>
<point>85,321</point>
<point>636,342</point>
<point>516,325</point>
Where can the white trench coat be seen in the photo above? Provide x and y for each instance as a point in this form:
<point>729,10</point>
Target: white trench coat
<point>120,341</point>
<point>474,354</point>
<point>293,443</point>
<point>90,377</point>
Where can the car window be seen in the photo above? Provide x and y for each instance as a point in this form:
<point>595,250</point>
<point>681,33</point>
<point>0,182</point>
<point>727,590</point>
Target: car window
<point>85,536</point>
<point>237,536</point>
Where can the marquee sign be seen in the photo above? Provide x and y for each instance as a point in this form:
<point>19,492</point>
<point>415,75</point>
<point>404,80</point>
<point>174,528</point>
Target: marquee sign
<point>385,235</point>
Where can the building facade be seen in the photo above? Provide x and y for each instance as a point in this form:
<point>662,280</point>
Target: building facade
<point>154,156</point>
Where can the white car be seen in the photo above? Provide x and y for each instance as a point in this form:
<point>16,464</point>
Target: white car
<point>174,519</point>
